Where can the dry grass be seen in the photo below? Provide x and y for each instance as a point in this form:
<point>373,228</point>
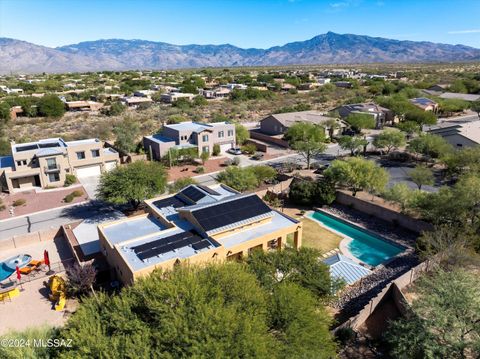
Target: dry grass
<point>314,235</point>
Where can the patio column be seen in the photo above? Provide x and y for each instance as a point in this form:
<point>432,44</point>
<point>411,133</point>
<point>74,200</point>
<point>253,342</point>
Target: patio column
<point>297,238</point>
<point>280,243</point>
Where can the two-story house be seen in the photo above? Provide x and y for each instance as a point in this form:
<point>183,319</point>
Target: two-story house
<point>45,163</point>
<point>202,136</point>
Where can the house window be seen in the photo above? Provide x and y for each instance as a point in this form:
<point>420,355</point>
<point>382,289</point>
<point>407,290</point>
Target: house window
<point>205,138</point>
<point>22,163</point>
<point>205,149</point>
<point>230,133</point>
<point>51,163</point>
<point>95,153</point>
<point>221,134</point>
<point>54,177</point>
<point>81,155</point>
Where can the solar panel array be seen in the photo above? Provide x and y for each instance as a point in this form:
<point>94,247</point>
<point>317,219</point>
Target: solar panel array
<point>225,213</point>
<point>173,201</point>
<point>168,244</point>
<point>208,190</point>
<point>193,193</point>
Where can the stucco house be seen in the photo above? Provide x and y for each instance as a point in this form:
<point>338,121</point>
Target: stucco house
<point>381,114</point>
<point>425,104</point>
<point>199,224</point>
<point>279,123</point>
<point>45,163</point>
<point>459,135</point>
<point>202,136</point>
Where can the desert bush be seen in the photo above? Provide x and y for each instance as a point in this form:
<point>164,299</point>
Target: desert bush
<point>70,179</point>
<point>19,202</point>
<point>199,169</point>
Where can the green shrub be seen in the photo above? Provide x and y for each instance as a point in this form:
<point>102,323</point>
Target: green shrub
<point>70,179</point>
<point>77,193</point>
<point>236,161</point>
<point>19,202</point>
<point>199,169</point>
<point>249,148</point>
<point>69,198</point>
<point>2,206</point>
<point>216,149</point>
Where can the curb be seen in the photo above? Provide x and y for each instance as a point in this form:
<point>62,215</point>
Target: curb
<point>43,211</point>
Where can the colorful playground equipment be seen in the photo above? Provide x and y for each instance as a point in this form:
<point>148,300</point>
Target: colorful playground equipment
<point>9,291</point>
<point>58,291</point>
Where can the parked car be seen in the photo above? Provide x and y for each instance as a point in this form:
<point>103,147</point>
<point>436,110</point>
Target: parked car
<point>257,156</point>
<point>235,151</point>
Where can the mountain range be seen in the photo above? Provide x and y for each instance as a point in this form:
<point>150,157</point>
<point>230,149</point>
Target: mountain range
<point>18,56</point>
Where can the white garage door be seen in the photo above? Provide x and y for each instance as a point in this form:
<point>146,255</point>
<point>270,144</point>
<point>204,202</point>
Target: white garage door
<point>88,171</point>
<point>110,165</point>
<point>225,147</point>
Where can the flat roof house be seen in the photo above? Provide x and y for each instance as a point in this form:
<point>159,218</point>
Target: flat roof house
<point>198,224</point>
<point>279,123</point>
<point>458,135</point>
<point>46,162</point>
<point>174,96</point>
<point>202,136</point>
<point>83,105</point>
<point>381,114</point>
<point>425,104</point>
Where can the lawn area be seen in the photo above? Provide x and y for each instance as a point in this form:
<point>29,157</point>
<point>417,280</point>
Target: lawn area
<point>315,236</point>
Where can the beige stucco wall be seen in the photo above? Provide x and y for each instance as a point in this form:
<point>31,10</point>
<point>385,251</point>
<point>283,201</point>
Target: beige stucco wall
<point>127,275</point>
<point>66,162</point>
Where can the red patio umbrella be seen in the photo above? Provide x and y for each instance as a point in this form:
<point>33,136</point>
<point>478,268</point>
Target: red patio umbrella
<point>19,275</point>
<point>46,259</point>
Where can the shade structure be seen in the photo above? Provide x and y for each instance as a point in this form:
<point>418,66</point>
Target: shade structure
<point>46,258</point>
<point>19,275</point>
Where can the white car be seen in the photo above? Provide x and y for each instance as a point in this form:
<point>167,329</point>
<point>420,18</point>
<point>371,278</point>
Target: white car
<point>235,151</point>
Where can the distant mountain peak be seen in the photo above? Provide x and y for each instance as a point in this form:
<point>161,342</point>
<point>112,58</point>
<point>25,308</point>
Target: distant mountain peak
<point>122,54</point>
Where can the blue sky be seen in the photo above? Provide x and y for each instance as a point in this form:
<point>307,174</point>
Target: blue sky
<point>244,23</point>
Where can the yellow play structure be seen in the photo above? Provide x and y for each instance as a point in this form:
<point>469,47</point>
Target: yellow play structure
<point>58,295</point>
<point>7,293</point>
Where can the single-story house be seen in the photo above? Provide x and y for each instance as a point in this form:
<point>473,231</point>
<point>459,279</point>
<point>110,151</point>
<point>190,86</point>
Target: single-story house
<point>279,123</point>
<point>381,114</point>
<point>425,104</point>
<point>458,135</point>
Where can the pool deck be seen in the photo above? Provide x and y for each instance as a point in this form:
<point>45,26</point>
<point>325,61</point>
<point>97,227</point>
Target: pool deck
<point>343,246</point>
<point>32,307</point>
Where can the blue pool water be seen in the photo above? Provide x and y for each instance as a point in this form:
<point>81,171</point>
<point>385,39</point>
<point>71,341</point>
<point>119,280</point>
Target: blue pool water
<point>365,246</point>
<point>7,267</point>
<point>5,271</point>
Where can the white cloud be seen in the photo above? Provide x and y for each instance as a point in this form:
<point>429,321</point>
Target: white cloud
<point>472,31</point>
<point>339,5</point>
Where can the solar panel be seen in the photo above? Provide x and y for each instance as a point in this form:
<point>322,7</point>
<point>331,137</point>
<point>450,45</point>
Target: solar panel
<point>225,213</point>
<point>173,201</point>
<point>193,193</point>
<point>200,245</point>
<point>208,190</point>
<point>167,244</point>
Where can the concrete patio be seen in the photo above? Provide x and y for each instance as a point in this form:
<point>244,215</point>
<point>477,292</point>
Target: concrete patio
<point>32,307</point>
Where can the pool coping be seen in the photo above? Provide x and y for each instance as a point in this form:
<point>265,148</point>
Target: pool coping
<point>343,246</point>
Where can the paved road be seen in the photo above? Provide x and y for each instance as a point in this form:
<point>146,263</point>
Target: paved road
<point>48,219</point>
<point>56,217</point>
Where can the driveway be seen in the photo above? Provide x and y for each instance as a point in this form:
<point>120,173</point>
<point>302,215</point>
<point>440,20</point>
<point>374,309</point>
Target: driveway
<point>90,184</point>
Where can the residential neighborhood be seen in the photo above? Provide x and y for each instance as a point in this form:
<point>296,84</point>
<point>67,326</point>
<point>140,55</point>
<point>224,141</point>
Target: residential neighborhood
<point>317,199</point>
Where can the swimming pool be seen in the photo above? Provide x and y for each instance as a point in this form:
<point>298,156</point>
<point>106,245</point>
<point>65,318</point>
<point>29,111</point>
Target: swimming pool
<point>365,246</point>
<point>7,267</point>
